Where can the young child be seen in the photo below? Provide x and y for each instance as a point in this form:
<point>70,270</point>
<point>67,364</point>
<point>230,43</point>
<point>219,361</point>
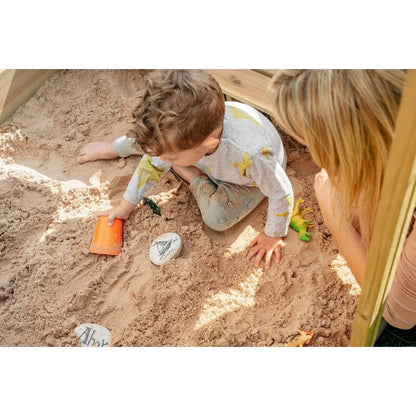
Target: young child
<point>229,153</point>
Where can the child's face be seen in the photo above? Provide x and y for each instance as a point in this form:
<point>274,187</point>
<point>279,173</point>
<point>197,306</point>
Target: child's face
<point>184,157</point>
<point>190,156</point>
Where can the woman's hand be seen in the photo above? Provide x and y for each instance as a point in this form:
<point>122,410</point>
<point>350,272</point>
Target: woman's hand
<point>263,245</point>
<point>122,211</point>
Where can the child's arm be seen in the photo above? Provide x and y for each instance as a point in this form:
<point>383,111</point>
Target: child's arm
<point>147,173</point>
<point>121,147</point>
<point>272,180</point>
<point>122,211</point>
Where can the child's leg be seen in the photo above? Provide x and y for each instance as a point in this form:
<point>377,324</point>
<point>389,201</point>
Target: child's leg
<point>223,204</point>
<point>120,147</point>
<point>124,146</point>
<point>400,309</point>
<point>96,151</point>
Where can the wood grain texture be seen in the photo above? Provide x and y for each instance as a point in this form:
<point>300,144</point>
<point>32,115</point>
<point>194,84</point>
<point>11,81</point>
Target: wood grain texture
<point>247,86</point>
<point>16,86</point>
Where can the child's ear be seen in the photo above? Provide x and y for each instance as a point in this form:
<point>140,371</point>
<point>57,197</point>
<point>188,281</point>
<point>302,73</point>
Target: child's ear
<point>211,142</point>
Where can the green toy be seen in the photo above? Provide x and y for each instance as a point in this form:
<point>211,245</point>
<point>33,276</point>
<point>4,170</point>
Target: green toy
<point>298,223</point>
<point>152,205</point>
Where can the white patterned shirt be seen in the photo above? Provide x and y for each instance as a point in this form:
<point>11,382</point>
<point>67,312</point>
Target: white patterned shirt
<point>250,153</point>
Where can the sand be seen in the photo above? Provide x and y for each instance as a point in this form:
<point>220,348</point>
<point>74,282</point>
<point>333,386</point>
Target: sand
<point>209,296</point>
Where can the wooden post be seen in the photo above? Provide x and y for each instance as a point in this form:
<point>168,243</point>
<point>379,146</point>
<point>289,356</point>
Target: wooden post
<point>16,86</point>
<point>397,202</point>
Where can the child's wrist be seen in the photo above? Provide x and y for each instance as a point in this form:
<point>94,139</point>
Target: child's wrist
<point>127,206</point>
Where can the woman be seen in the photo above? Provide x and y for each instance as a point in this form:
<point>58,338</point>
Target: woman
<point>347,120</point>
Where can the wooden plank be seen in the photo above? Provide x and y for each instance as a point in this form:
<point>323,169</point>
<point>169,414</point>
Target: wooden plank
<point>6,78</point>
<point>398,199</point>
<point>247,86</point>
<point>16,86</point>
<point>268,72</point>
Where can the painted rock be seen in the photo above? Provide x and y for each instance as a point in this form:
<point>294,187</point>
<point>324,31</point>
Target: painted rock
<point>164,248</point>
<point>93,335</point>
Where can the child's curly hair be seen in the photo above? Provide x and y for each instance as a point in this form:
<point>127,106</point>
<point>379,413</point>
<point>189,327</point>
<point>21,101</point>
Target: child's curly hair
<point>177,110</point>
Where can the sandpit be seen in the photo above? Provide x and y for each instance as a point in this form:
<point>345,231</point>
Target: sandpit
<point>209,296</point>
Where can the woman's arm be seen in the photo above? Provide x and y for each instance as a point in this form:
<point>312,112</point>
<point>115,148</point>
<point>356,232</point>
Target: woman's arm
<point>346,238</point>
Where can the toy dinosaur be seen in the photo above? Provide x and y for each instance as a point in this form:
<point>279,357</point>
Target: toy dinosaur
<point>152,205</point>
<point>298,223</point>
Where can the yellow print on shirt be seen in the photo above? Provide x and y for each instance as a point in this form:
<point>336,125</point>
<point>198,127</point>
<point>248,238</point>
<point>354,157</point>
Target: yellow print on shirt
<point>244,165</point>
<point>238,114</point>
<point>147,172</point>
<point>265,151</point>
<point>286,213</point>
<point>282,214</point>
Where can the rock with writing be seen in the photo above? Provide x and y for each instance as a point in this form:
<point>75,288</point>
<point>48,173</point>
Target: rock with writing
<point>166,247</point>
<point>93,335</point>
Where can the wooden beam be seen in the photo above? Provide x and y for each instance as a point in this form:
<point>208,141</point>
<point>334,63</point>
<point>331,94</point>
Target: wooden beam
<point>397,202</point>
<point>268,72</point>
<point>247,86</point>
<point>16,86</point>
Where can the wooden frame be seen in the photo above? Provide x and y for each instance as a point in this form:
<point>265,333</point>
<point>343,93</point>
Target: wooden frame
<point>16,86</point>
<point>248,86</point>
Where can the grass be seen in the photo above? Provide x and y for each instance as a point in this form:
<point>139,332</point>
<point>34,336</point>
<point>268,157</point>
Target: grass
<point>393,337</point>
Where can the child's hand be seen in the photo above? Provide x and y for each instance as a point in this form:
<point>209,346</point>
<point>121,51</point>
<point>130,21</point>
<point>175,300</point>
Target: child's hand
<point>122,211</point>
<point>264,245</point>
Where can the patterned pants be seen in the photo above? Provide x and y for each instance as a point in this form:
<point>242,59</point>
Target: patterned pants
<point>223,204</point>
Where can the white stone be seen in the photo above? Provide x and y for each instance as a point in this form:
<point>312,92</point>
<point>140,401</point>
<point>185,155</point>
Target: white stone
<point>93,335</point>
<point>166,247</point>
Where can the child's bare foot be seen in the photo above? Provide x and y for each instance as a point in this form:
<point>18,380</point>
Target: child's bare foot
<point>188,173</point>
<point>95,151</point>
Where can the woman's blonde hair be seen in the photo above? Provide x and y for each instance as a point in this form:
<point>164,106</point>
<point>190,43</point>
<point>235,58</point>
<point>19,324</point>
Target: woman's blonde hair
<point>347,120</point>
<point>177,110</point>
